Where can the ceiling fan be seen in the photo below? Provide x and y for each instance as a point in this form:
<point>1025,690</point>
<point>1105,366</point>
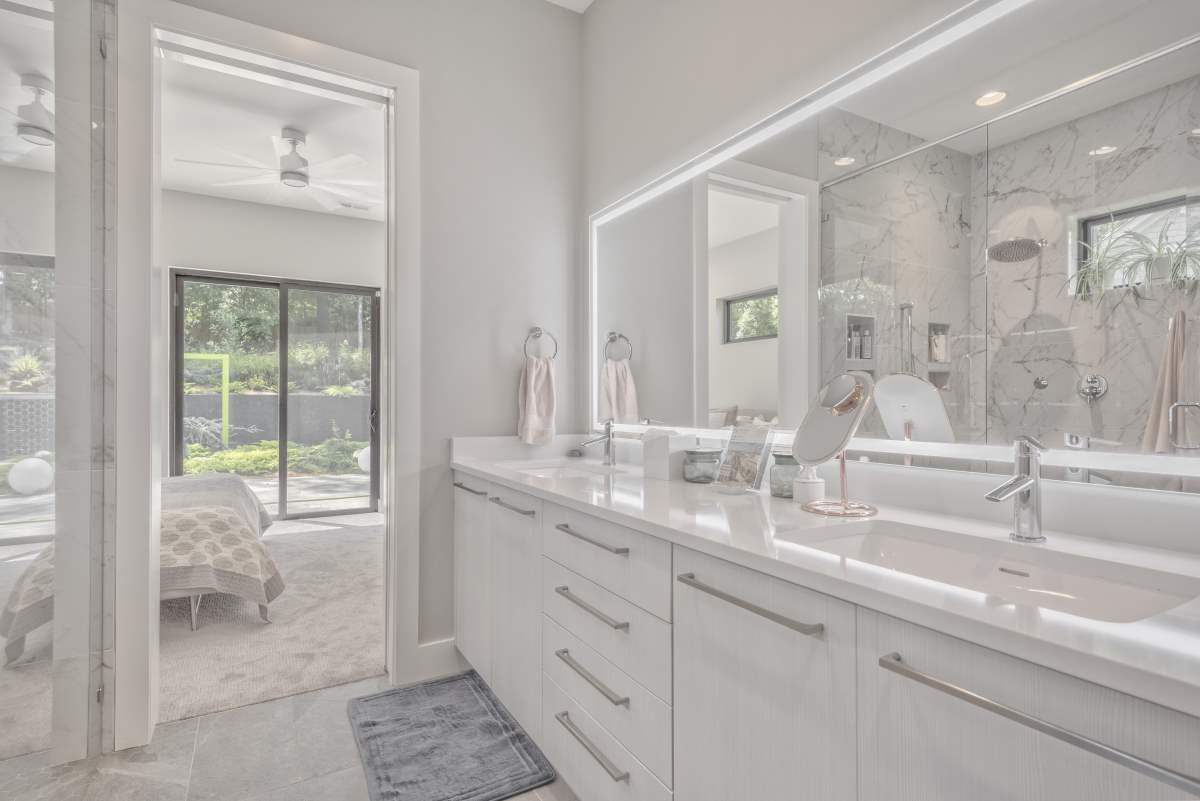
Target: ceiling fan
<point>294,170</point>
<point>32,123</point>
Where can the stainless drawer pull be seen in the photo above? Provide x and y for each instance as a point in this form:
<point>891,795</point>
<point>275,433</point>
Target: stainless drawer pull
<point>463,486</point>
<point>896,664</point>
<point>612,623</point>
<point>601,687</point>
<point>511,508</point>
<point>811,629</point>
<point>615,773</point>
<point>565,529</point>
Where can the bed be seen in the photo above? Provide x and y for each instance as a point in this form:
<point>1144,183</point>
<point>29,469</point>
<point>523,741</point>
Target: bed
<point>211,527</point>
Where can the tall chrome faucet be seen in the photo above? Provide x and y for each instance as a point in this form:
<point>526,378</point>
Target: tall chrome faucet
<point>1026,488</point>
<point>610,452</point>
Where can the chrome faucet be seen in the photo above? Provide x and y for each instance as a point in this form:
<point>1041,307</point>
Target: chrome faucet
<point>610,453</point>
<point>1025,487</point>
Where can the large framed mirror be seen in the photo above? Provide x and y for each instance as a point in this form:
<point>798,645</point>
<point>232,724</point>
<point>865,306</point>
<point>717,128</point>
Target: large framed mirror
<point>1009,247</point>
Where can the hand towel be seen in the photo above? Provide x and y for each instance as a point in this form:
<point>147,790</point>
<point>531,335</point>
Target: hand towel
<point>618,394</point>
<point>535,401</point>
<point>1167,389</point>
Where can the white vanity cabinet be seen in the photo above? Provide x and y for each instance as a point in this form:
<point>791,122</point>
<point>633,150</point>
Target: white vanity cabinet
<point>514,526</point>
<point>919,742</point>
<point>473,573</point>
<point>764,702</point>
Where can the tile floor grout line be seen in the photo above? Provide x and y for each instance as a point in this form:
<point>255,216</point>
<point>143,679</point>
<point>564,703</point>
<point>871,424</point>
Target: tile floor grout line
<point>187,788</point>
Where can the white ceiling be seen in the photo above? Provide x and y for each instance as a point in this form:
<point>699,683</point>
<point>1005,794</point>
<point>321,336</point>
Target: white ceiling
<point>575,5</point>
<point>212,116</point>
<point>733,216</point>
<point>1028,53</point>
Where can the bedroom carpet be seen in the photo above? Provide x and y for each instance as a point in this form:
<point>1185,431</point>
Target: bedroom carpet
<point>326,628</point>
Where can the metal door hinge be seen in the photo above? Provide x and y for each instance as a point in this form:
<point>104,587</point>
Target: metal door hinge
<point>103,48</point>
<point>100,694</point>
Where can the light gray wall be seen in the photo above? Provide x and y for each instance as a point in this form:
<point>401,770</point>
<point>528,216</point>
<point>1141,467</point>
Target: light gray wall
<point>666,79</point>
<point>26,211</point>
<point>212,233</point>
<point>644,291</point>
<point>500,213</point>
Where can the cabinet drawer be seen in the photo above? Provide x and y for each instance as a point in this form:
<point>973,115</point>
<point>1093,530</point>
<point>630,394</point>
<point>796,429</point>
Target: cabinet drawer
<point>631,638</point>
<point>992,756</point>
<point>626,709</point>
<point>592,762</point>
<point>631,564</point>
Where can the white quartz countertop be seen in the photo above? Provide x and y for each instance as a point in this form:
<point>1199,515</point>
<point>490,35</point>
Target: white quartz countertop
<point>1157,658</point>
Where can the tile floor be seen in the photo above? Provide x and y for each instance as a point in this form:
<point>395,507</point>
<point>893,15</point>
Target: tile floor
<point>291,749</point>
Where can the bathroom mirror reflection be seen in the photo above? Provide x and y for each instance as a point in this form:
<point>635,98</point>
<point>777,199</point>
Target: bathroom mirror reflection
<point>1008,248</point>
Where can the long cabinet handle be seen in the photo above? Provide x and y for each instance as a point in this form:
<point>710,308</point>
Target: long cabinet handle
<point>811,629</point>
<point>894,663</point>
<point>601,687</point>
<point>463,486</point>
<point>615,773</point>
<point>565,529</point>
<point>611,622</point>
<point>511,508</point>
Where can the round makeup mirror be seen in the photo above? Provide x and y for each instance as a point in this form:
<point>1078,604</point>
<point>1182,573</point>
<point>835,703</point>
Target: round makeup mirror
<point>826,431</point>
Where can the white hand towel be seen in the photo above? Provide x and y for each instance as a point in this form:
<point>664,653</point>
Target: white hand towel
<point>1167,389</point>
<point>618,394</point>
<point>535,401</point>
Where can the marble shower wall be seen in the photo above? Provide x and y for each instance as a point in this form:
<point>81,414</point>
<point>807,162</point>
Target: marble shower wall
<point>900,233</point>
<point>1038,187</point>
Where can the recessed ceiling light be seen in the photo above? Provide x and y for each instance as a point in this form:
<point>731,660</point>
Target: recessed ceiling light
<point>1195,132</point>
<point>1103,150</point>
<point>843,161</point>
<point>990,98</point>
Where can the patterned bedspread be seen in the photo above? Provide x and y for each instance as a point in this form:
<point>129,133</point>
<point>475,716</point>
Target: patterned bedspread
<point>211,529</point>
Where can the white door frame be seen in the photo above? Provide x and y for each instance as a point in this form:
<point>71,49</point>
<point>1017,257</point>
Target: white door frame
<point>141,323</point>
<point>799,264</point>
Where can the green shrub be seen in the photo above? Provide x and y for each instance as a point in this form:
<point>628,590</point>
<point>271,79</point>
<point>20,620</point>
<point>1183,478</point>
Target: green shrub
<point>342,391</point>
<point>334,455</point>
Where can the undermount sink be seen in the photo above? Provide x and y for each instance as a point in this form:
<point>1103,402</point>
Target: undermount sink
<point>1019,574</point>
<point>559,468</point>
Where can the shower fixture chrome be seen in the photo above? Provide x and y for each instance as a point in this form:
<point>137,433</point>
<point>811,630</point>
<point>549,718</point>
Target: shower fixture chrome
<point>1041,382</point>
<point>1093,387</point>
<point>1015,250</point>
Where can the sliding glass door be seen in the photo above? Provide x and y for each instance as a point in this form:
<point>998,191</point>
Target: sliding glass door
<point>275,381</point>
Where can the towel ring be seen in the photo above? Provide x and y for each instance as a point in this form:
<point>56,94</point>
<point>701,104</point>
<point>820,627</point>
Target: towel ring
<point>536,333</point>
<point>613,337</point>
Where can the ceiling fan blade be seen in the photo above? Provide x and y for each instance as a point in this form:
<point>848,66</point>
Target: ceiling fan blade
<point>346,182</point>
<point>348,194</point>
<point>325,199</point>
<point>258,180</point>
<point>219,164</point>
<point>345,161</point>
<point>249,162</point>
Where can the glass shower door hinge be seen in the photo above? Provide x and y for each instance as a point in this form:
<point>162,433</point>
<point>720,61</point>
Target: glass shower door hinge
<point>100,694</point>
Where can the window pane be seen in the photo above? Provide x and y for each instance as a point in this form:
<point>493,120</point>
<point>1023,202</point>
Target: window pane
<point>753,318</point>
<point>1122,248</point>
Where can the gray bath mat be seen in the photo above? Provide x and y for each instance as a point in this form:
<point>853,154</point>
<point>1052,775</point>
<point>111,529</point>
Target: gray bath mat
<point>444,740</point>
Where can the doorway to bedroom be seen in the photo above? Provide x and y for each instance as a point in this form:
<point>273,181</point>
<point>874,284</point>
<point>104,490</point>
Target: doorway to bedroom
<point>273,225</point>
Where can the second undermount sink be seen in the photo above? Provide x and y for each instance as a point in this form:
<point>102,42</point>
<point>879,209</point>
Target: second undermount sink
<point>1013,572</point>
<point>560,468</point>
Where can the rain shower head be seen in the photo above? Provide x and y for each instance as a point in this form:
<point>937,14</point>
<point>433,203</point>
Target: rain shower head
<point>1014,250</point>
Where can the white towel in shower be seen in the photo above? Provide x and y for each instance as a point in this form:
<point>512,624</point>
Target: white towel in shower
<point>1167,389</point>
<point>535,401</point>
<point>618,393</point>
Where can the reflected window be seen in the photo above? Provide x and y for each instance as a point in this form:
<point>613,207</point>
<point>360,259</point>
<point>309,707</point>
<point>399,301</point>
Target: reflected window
<point>751,317</point>
<point>1139,245</point>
